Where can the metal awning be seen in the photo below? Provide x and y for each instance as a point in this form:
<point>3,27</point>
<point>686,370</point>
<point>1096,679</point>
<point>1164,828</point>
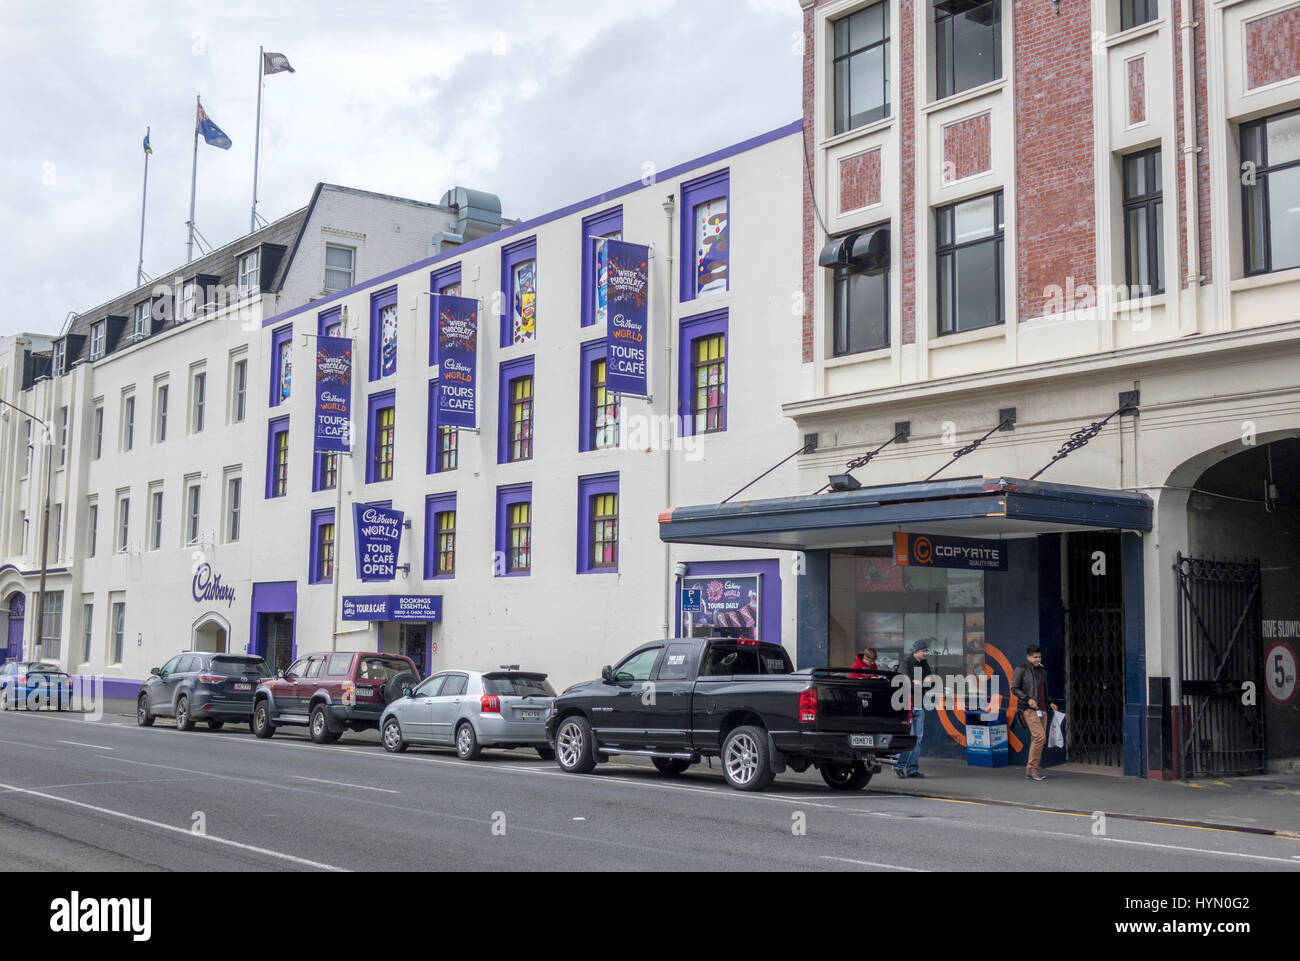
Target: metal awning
<point>967,507</point>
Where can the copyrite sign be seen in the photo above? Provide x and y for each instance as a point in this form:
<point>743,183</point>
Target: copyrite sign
<point>962,553</point>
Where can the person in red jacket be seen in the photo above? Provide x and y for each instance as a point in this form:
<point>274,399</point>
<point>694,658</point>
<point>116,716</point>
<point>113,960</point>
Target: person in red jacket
<point>866,661</point>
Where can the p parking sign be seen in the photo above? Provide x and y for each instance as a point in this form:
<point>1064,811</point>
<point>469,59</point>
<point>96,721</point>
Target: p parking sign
<point>692,600</point>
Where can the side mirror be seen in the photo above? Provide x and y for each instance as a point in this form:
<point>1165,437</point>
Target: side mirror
<point>406,692</point>
<point>280,674</point>
<point>607,674</point>
<point>156,671</point>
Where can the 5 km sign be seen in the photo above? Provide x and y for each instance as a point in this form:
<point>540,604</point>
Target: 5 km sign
<point>963,553</point>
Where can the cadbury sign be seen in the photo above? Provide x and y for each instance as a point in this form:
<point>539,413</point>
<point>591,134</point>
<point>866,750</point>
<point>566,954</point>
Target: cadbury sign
<point>207,586</point>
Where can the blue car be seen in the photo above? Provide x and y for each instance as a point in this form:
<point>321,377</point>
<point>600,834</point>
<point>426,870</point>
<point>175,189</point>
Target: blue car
<point>34,685</point>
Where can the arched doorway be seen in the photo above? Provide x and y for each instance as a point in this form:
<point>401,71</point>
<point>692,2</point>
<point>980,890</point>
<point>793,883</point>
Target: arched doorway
<point>16,605</point>
<point>211,633</point>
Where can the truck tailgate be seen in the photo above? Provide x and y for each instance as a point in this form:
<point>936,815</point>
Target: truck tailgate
<point>857,701</point>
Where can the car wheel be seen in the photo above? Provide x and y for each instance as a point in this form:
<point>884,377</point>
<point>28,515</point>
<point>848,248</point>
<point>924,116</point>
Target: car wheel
<point>745,762</point>
<point>320,726</point>
<point>142,715</point>
<point>183,720</point>
<point>846,777</point>
<point>216,725</point>
<point>261,722</point>
<point>670,766</point>
<point>546,754</point>
<point>574,745</point>
<point>467,748</point>
<point>393,741</point>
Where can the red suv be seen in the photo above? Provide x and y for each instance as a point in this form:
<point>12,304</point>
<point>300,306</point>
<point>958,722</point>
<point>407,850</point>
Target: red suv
<point>332,692</point>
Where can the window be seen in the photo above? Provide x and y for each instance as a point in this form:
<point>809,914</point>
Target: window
<point>598,523</point>
<point>448,438</point>
<point>118,627</point>
<point>143,318</point>
<point>969,257</point>
<point>705,234</point>
<point>861,310</point>
<point>27,447</point>
<point>57,526</point>
<point>128,422</point>
<point>198,391</point>
<point>339,262</point>
<point>383,334</point>
<point>189,301</point>
<point>339,665</point>
<point>277,458</point>
<point>380,437</point>
<point>639,666</point>
<point>325,473</point>
<point>322,547</point>
<point>440,536</point>
<point>97,332</point>
<point>98,446</point>
<point>52,626</point>
<point>1143,224</point>
<point>249,275</point>
<point>239,389</point>
<point>88,630</point>
<point>514,530</point>
<point>234,495</point>
<point>1270,193</point>
<point>92,529</point>
<point>862,67</point>
<point>519,282</point>
<point>60,357</point>
<point>968,45</point>
<point>123,523</point>
<point>1134,13</point>
<point>23,526</point>
<point>193,533</point>
<point>604,403</point>
<point>444,442</point>
<point>281,364</point>
<point>155,520</point>
<point>161,429</point>
<point>446,281</point>
<point>515,411</point>
<point>446,543</point>
<point>63,436</point>
<point>596,229</point>
<point>521,532</point>
<point>709,364</point>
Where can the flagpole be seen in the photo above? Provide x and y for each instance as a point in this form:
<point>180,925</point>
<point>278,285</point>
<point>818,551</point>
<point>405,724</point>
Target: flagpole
<point>194,176</point>
<point>257,144</point>
<point>144,194</point>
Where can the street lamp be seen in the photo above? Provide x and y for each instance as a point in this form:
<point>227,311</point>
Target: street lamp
<point>45,524</point>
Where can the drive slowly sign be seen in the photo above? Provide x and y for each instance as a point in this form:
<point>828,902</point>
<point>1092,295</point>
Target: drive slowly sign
<point>333,394</point>
<point>379,537</point>
<point>961,553</point>
<point>627,289</point>
<point>454,351</point>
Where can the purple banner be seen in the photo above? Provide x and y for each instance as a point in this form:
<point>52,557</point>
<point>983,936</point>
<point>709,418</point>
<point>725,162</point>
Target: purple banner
<point>455,352</point>
<point>333,394</point>
<point>379,538</point>
<point>627,289</point>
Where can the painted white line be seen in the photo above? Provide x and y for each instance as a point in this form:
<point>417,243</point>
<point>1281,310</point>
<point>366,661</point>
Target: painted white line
<point>177,830</point>
<point>1169,847</point>
<point>39,747</point>
<point>97,747</point>
<point>874,864</point>
<point>361,787</point>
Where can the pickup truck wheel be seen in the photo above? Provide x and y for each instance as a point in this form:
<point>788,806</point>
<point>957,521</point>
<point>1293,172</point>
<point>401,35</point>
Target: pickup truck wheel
<point>320,726</point>
<point>262,725</point>
<point>467,748</point>
<point>745,761</point>
<point>846,777</point>
<point>142,715</point>
<point>183,720</point>
<point>670,766</point>
<point>573,745</point>
<point>216,725</point>
<point>393,742</point>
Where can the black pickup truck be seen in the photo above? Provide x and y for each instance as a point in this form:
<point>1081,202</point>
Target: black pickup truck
<point>680,700</point>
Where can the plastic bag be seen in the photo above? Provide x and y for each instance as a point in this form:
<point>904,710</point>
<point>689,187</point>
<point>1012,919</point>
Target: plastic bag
<point>1056,737</point>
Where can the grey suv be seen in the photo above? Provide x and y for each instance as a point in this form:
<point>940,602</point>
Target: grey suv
<point>201,686</point>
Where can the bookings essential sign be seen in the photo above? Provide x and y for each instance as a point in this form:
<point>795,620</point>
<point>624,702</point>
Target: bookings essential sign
<point>333,394</point>
<point>379,537</point>
<point>454,350</point>
<point>392,607</point>
<point>961,553</point>
<point>627,285</point>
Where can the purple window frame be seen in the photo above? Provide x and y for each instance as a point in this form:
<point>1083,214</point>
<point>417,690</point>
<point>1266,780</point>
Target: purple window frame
<point>513,370</point>
<point>318,520</point>
<point>279,425</point>
<point>432,448</point>
<point>278,337</point>
<point>770,586</point>
<point>376,403</point>
<point>690,330</point>
<point>589,487</point>
<point>511,255</point>
<point>437,280</point>
<point>591,351</point>
<point>318,473</point>
<point>385,298</point>
<point>434,505</point>
<point>326,319</point>
<point>695,192</point>
<point>506,496</point>
<point>605,222</point>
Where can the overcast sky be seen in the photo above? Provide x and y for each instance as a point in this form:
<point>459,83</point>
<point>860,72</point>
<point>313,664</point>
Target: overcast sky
<point>541,103</point>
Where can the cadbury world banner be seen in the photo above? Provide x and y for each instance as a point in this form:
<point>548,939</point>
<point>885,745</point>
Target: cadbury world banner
<point>379,538</point>
<point>627,288</point>
<point>456,338</point>
<point>333,394</point>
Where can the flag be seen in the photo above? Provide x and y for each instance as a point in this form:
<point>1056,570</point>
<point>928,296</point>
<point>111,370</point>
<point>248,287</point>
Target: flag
<point>147,148</point>
<point>275,63</point>
<point>213,134</point>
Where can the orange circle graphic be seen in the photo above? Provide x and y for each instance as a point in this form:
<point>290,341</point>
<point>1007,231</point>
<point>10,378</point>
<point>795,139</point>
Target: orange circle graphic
<point>923,550</point>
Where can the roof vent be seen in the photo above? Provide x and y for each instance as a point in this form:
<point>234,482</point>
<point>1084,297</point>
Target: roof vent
<point>478,213</point>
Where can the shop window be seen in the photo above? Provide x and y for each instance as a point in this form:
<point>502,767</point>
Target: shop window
<point>281,364</point>
<point>969,260</point>
<point>706,244</point>
<point>322,547</point>
<point>596,229</point>
<point>381,437</point>
<point>440,536</point>
<point>514,534</point>
<point>1143,224</point>
<point>598,523</point>
<point>1270,192</point>
<point>519,284</point>
<point>968,44</point>
<point>861,67</point>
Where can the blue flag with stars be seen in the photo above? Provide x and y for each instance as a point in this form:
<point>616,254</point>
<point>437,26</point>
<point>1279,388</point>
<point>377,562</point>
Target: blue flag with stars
<point>212,134</point>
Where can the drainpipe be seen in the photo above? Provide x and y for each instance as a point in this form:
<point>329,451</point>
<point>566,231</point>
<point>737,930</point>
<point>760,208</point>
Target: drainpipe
<point>1191,169</point>
<point>670,206</point>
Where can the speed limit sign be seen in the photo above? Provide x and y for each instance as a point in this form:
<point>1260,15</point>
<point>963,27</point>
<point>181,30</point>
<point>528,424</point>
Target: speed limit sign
<point>1280,672</point>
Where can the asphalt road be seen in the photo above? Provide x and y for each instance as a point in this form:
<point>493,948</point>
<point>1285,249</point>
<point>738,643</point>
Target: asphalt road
<point>107,795</point>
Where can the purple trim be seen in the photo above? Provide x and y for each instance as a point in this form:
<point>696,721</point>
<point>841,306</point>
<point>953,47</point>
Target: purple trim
<point>690,330</point>
<point>770,602</point>
<point>513,370</point>
<point>445,277</point>
<point>531,225</point>
<point>32,573</point>
<point>274,427</point>
<point>116,688</point>
<point>438,279</point>
<point>377,402</point>
<point>433,453</point>
<point>275,597</point>
<point>511,256</point>
<point>591,351</point>
<point>326,318</point>
<point>698,191</point>
<point>318,473</point>
<point>318,520</point>
<point>378,301</point>
<point>589,487</point>
<point>434,505</point>
<point>593,226</point>
<point>278,338</point>
<point>506,496</point>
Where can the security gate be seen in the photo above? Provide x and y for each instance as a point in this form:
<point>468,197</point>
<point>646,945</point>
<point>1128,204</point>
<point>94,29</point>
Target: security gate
<point>1221,658</point>
<point>1094,649</point>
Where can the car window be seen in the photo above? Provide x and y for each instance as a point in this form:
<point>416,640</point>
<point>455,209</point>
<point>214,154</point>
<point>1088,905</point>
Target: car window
<point>727,659</point>
<point>297,667</point>
<point>638,666</point>
<point>170,666</point>
<point>382,668</point>
<point>6,670</point>
<point>516,685</point>
<point>239,666</point>
<point>455,685</point>
<point>314,667</point>
<point>677,663</point>
<point>192,664</point>
<point>339,665</point>
<point>431,687</point>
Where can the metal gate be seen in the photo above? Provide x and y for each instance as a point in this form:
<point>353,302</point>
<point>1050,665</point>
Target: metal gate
<point>1220,667</point>
<point>1094,649</point>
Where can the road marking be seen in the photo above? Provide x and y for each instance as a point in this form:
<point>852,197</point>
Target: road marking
<point>176,830</point>
<point>39,747</point>
<point>97,747</point>
<point>362,787</point>
<point>1170,847</point>
<point>874,864</point>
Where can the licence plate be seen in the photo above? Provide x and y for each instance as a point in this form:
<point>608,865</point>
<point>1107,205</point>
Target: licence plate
<point>365,692</point>
<point>243,687</point>
<point>531,715</point>
<point>861,740</point>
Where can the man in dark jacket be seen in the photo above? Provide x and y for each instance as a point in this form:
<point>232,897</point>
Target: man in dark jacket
<point>1029,685</point>
<point>916,670</point>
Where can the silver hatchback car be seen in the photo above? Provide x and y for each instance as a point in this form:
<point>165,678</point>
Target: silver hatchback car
<point>471,710</point>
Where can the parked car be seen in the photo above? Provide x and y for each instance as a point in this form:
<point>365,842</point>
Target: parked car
<point>34,685</point>
<point>472,710</point>
<point>201,686</point>
<point>332,692</point>
<point>677,701</point>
